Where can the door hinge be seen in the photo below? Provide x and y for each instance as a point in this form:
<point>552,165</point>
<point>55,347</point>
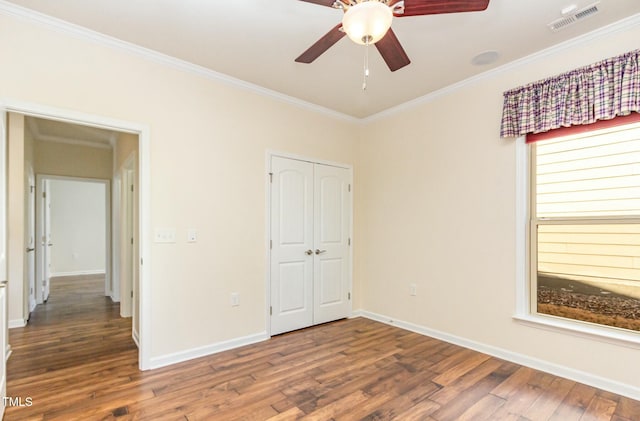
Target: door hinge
<point>141,262</point>
<point>44,194</point>
<point>349,187</point>
<point>349,295</point>
<point>132,187</point>
<point>270,244</point>
<point>131,294</point>
<point>31,189</point>
<point>349,242</point>
<point>270,311</point>
<point>270,177</point>
<point>131,240</point>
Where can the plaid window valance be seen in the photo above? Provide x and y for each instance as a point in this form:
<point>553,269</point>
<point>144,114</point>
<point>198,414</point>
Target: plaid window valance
<point>600,91</point>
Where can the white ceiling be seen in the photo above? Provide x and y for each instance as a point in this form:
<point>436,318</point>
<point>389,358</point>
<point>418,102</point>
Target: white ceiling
<point>257,41</point>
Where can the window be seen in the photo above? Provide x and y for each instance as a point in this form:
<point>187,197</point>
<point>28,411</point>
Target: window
<point>585,227</point>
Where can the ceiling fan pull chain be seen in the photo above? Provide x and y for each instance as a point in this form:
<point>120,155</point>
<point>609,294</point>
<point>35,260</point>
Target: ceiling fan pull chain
<point>366,66</point>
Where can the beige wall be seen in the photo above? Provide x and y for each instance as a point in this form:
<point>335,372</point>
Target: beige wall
<point>208,146</point>
<point>126,143</point>
<point>435,206</point>
<point>55,158</point>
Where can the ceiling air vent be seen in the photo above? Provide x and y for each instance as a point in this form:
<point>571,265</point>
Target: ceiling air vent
<point>573,17</point>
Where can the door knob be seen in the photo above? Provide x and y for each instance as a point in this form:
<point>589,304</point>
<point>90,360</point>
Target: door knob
<point>30,249</point>
<point>320,251</point>
<point>309,252</point>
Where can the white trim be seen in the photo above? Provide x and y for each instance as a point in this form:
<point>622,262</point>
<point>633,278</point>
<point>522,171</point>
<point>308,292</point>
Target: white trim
<point>581,329</point>
<point>86,34</point>
<point>17,323</point>
<point>619,388</point>
<point>80,273</point>
<point>115,234</point>
<point>76,142</point>
<point>144,199</point>
<point>271,153</point>
<point>203,351</point>
<point>522,223</point>
<point>134,336</point>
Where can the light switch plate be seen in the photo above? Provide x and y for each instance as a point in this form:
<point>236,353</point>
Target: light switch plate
<point>192,235</point>
<point>165,235</point>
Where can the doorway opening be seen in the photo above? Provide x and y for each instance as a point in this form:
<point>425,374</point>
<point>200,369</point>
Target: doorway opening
<point>60,120</point>
<point>73,225</point>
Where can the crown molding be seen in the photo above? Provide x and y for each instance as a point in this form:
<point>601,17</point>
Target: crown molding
<point>107,141</point>
<point>80,32</point>
<point>619,26</point>
<point>76,142</point>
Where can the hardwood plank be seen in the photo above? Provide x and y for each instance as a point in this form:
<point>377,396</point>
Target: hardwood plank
<point>483,409</point>
<point>599,409</point>
<point>550,399</point>
<point>574,404</point>
<point>628,408</point>
<point>77,361</point>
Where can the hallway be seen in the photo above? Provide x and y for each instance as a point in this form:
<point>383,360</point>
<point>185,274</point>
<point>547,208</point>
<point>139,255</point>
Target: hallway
<point>68,345</point>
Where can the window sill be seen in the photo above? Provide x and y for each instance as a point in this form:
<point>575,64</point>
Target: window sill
<point>613,336</point>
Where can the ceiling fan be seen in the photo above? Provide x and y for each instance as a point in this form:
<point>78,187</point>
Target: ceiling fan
<point>369,22</point>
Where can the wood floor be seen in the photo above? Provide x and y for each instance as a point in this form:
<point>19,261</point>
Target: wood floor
<point>76,361</point>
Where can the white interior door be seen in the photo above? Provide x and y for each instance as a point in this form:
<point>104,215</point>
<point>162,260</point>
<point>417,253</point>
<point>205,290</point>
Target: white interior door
<point>30,240</point>
<point>3,260</point>
<point>126,258</point>
<point>310,224</point>
<point>291,245</point>
<point>46,240</point>
<point>331,267</point>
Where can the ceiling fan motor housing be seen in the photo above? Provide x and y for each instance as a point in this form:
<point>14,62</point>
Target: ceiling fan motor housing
<point>367,22</point>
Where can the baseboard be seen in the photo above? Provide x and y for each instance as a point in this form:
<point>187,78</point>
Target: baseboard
<point>203,351</point>
<point>79,273</point>
<point>114,299</point>
<point>623,389</point>
<point>135,337</point>
<point>17,323</point>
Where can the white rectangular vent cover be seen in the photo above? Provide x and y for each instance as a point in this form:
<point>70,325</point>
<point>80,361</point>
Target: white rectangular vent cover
<point>574,17</point>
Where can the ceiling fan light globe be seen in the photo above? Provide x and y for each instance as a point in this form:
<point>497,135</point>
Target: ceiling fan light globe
<point>367,22</point>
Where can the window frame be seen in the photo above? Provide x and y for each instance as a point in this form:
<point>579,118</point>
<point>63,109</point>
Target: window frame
<point>526,258</point>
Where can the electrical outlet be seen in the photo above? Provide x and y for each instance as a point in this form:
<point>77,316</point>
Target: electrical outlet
<point>412,290</point>
<point>235,299</point>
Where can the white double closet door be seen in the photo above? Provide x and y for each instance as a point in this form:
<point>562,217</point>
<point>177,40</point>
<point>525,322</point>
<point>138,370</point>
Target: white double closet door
<point>310,259</point>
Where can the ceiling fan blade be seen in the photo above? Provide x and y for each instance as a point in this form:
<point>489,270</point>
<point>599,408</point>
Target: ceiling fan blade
<point>392,52</point>
<point>328,3</point>
<point>322,45</point>
<point>434,7</point>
